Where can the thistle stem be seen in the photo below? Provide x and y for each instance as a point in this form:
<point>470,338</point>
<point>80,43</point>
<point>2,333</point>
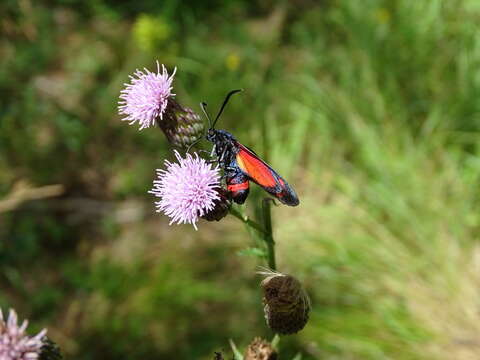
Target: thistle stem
<point>265,231</point>
<point>246,220</point>
<point>268,233</point>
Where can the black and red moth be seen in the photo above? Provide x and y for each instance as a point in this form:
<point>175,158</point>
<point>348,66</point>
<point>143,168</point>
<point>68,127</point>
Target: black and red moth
<point>241,165</point>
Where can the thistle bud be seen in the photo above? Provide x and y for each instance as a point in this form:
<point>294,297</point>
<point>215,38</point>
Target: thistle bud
<point>286,303</point>
<point>49,350</point>
<point>221,207</point>
<point>181,125</point>
<point>260,349</point>
<point>218,356</point>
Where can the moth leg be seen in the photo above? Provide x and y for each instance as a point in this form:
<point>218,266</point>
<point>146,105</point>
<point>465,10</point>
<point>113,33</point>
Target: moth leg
<point>222,155</point>
<point>232,169</point>
<point>267,199</point>
<point>201,151</point>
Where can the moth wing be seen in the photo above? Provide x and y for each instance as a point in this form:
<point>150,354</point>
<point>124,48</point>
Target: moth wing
<point>262,174</point>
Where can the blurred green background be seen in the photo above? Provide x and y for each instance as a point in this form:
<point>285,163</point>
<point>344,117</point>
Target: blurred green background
<point>371,109</point>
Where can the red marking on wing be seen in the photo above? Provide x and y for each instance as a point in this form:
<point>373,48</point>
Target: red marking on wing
<point>237,187</point>
<point>255,168</point>
<point>265,176</point>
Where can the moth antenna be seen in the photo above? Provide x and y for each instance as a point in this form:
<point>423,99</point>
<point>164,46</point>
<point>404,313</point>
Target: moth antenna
<point>203,105</point>
<point>193,144</point>
<point>225,103</point>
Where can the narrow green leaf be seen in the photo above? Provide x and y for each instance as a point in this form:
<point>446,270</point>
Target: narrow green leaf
<point>253,251</point>
<point>298,357</point>
<point>237,355</point>
<point>275,341</point>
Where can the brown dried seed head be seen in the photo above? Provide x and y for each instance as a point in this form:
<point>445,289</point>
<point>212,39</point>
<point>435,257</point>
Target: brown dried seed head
<point>286,303</point>
<point>286,323</point>
<point>260,349</point>
<point>281,291</point>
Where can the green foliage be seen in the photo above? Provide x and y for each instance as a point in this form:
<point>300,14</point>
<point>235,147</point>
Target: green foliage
<point>237,355</point>
<point>151,33</point>
<point>369,108</point>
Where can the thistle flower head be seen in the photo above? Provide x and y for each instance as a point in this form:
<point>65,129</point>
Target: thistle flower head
<point>187,189</point>
<point>145,98</point>
<point>15,344</point>
<point>260,349</point>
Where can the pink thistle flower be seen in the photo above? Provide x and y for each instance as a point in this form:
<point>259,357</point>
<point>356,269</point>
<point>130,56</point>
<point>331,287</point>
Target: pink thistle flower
<point>187,189</point>
<point>14,343</point>
<point>146,97</point>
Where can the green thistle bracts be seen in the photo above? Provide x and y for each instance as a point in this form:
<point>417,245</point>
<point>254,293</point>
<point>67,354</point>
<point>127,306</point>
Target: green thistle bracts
<point>221,209</point>
<point>49,350</point>
<point>181,125</point>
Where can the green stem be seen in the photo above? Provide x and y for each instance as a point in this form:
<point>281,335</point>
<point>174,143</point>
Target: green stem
<point>265,230</point>
<point>268,233</point>
<point>246,220</point>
